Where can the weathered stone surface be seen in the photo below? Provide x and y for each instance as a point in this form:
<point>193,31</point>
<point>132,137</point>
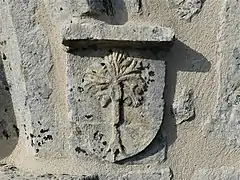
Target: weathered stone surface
<point>97,7</point>
<point>8,126</point>
<point>88,33</point>
<point>186,8</point>
<point>164,174</point>
<point>223,173</point>
<point>114,95</point>
<point>114,111</point>
<point>10,172</point>
<point>110,11</point>
<point>28,67</point>
<point>93,7</point>
<point>183,107</point>
<point>44,80</point>
<point>9,131</point>
<point>227,120</point>
<point>161,174</point>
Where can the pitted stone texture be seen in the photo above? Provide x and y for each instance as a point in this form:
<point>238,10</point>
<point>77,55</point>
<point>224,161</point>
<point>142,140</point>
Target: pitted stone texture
<point>10,172</point>
<point>97,7</point>
<point>164,174</point>
<point>187,8</point>
<point>93,8</point>
<point>223,173</point>
<point>110,7</point>
<point>161,174</point>
<point>183,107</point>
<point>227,121</point>
<point>9,131</point>
<point>29,56</point>
<point>114,94</point>
<point>113,123</point>
<point>110,11</point>
<point>8,126</point>
<point>87,33</point>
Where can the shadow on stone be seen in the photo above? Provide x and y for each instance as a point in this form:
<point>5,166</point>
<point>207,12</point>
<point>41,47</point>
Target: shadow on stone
<point>115,12</point>
<point>180,58</point>
<point>9,131</point>
<point>157,54</point>
<point>121,14</point>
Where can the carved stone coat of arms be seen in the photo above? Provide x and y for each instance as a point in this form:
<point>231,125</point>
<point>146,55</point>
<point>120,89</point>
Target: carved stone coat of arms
<point>115,94</point>
<point>116,101</point>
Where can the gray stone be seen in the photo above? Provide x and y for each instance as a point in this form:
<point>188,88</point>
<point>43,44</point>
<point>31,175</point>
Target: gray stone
<point>187,8</point>
<point>28,67</point>
<point>110,11</point>
<point>11,172</point>
<point>113,120</point>
<point>78,113</point>
<point>9,131</point>
<point>114,116</point>
<point>88,33</point>
<point>175,3</point>
<point>8,126</point>
<point>223,173</point>
<point>93,7</point>
<point>97,7</point>
<point>183,107</point>
<point>227,119</point>
<point>114,94</point>
<point>164,174</point>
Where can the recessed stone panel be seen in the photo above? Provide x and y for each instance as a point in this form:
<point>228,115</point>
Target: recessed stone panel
<point>115,100</point>
<point>227,121</point>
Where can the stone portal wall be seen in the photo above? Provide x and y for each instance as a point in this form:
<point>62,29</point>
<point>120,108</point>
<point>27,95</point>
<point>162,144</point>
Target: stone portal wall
<point>119,89</point>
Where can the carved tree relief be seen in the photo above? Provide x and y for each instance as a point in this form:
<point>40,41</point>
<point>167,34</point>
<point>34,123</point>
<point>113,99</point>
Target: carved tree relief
<point>116,80</point>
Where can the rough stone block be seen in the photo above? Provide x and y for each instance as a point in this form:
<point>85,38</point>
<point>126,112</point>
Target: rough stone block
<point>163,174</point>
<point>115,95</point>
<point>223,173</point>
<point>228,114</point>
<point>96,33</point>
<point>10,172</point>
<point>186,8</point>
<point>28,65</point>
<point>183,107</point>
<point>115,99</point>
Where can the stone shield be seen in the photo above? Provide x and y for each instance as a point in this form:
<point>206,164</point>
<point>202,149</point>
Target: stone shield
<point>115,100</point>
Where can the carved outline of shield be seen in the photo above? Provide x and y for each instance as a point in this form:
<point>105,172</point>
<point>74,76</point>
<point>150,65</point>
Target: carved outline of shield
<point>137,126</point>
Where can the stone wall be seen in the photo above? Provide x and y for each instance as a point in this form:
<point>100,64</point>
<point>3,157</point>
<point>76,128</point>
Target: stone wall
<point>119,89</point>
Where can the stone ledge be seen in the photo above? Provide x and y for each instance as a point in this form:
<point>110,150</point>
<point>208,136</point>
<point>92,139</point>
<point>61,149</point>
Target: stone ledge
<point>11,172</point>
<point>89,33</point>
